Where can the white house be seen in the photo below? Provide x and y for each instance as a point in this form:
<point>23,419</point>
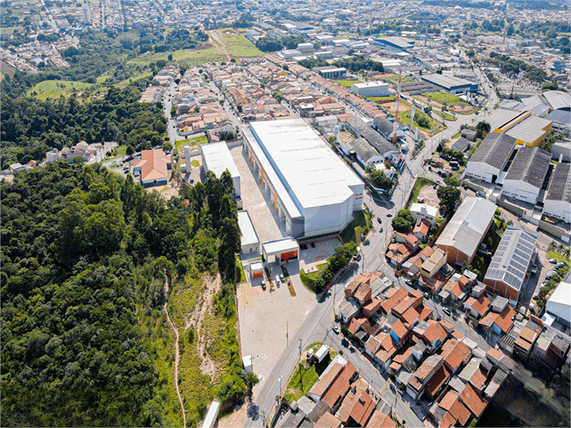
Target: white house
<point>526,174</point>
<point>424,212</point>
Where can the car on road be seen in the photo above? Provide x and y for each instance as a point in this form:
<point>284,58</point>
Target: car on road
<point>389,214</point>
<point>312,245</point>
<point>408,282</point>
<point>426,295</point>
<point>277,280</point>
<point>380,220</point>
<point>552,261</point>
<point>335,328</point>
<point>263,285</point>
<point>381,229</point>
<point>282,277</point>
<point>447,311</point>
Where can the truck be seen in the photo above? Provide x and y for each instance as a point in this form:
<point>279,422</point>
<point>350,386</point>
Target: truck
<point>321,353</point>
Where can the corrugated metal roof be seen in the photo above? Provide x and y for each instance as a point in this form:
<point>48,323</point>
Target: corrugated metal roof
<point>530,165</point>
<point>363,149</point>
<point>559,100</point>
<point>494,150</point>
<point>560,186</point>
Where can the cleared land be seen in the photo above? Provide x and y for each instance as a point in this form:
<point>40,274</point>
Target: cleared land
<point>305,376</point>
<point>194,142</point>
<point>56,88</point>
<point>361,219</point>
<point>346,83</point>
<point>237,45</point>
<point>418,185</point>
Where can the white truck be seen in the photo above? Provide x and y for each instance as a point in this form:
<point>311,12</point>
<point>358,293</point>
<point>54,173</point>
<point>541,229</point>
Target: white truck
<point>321,353</point>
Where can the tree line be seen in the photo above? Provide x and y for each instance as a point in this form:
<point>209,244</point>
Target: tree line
<point>85,256</point>
<point>29,128</point>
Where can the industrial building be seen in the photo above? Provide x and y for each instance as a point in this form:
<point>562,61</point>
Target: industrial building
<point>559,304</point>
<point>311,188</point>
<point>153,167</point>
<point>531,131</point>
<point>466,230</point>
<point>526,174</point>
<point>363,152</point>
<point>509,266</point>
<point>371,89</point>
<point>360,128</point>
<point>452,84</point>
<point>217,158</point>
<point>558,100</point>
<point>397,44</point>
<point>249,242</point>
<point>490,157</point>
<point>331,72</point>
<point>557,203</point>
<point>280,250</point>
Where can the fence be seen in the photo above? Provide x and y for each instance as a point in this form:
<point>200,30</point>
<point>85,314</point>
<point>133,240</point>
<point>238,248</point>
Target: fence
<point>554,230</point>
<point>510,207</point>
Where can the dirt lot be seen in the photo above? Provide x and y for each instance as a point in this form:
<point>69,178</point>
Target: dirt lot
<point>428,193</point>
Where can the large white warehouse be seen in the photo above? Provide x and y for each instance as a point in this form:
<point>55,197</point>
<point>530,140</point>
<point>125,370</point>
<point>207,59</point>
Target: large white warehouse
<point>311,188</point>
<point>490,157</point>
<point>371,89</point>
<point>557,203</point>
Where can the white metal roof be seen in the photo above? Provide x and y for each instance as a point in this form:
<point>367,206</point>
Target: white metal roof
<point>249,236</point>
<point>559,303</point>
<point>468,225</point>
<point>305,164</point>
<point>529,129</point>
<point>364,85</point>
<point>280,246</point>
<point>424,208</point>
<point>218,159</point>
<point>558,99</point>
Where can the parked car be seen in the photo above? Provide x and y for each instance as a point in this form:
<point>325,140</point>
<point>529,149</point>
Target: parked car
<point>559,265</point>
<point>389,214</point>
<point>381,229</point>
<point>447,311</point>
<point>335,328</point>
<point>263,285</point>
<point>282,277</point>
<point>408,282</point>
<point>552,261</point>
<point>380,220</point>
<point>277,280</point>
<point>312,245</point>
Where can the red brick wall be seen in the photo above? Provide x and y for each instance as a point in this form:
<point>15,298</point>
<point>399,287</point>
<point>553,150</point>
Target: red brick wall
<point>501,288</point>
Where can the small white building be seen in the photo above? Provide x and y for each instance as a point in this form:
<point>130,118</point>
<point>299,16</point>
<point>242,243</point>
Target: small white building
<point>212,415</point>
<point>371,89</point>
<point>559,304</point>
<point>280,250</point>
<point>424,212</point>
<point>217,158</point>
<point>526,174</point>
<point>305,47</point>
<point>557,203</point>
<point>52,155</point>
<point>250,244</point>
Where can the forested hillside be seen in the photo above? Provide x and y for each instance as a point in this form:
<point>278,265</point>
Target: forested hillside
<point>86,256</point>
<point>29,128</point>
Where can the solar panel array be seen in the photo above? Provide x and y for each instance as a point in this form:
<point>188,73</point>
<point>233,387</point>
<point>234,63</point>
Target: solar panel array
<point>512,258</point>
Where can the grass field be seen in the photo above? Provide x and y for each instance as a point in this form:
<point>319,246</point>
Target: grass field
<point>305,377</point>
<point>361,219</point>
<point>237,45</point>
<point>10,30</point>
<point>395,79</point>
<point>346,83</point>
<point>404,118</point>
<point>444,115</point>
<point>377,99</point>
<point>418,185</point>
<point>195,142</point>
<point>557,256</point>
<point>239,265</point>
<point>445,98</point>
<point>194,57</point>
<point>56,88</point>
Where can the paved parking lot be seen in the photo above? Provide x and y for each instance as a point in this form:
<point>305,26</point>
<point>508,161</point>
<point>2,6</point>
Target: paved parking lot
<point>268,319</point>
<point>312,257</point>
<point>257,202</point>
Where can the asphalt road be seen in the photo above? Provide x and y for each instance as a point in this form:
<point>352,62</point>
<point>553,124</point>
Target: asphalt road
<point>317,327</point>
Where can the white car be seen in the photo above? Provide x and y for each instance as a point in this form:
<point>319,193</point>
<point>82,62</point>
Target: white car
<point>277,279</point>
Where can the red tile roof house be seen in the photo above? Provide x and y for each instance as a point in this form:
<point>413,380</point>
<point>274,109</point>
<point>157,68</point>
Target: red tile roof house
<point>477,308</point>
<point>154,167</point>
<point>456,354</point>
<point>419,379</point>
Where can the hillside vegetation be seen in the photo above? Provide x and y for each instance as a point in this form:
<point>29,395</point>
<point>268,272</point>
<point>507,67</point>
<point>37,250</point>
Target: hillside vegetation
<point>87,257</point>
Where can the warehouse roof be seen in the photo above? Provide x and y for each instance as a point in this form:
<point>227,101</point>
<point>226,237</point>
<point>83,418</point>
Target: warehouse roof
<point>530,165</point>
<point>494,150</point>
<point>384,125</point>
<point>373,137</point>
<point>249,236</point>
<point>218,159</point>
<point>560,116</point>
<point>311,172</point>
<point>448,82</point>
<point>401,42</point>
<point>500,117</point>
<point>363,149</point>
<point>511,260</point>
<point>462,144</point>
<point>560,186</point>
<point>466,228</point>
<point>529,129</point>
<point>558,100</point>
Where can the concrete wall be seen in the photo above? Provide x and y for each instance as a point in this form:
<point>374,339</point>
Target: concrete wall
<point>521,190</point>
<point>510,207</point>
<point>554,230</point>
<point>481,170</point>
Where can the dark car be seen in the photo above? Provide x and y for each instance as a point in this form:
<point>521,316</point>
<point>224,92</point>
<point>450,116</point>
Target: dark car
<point>389,214</point>
<point>447,311</point>
<point>408,282</point>
<point>263,285</point>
